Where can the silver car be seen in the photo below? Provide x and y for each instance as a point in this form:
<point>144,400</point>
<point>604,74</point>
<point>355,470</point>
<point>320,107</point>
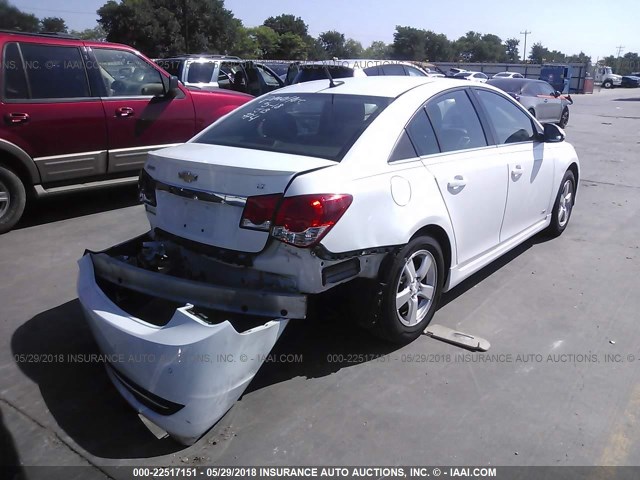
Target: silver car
<point>537,96</point>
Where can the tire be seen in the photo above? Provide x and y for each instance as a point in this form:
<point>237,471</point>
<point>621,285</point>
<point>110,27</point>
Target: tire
<point>13,198</point>
<point>607,84</point>
<point>404,322</point>
<point>532,112</point>
<point>564,118</point>
<point>563,205</point>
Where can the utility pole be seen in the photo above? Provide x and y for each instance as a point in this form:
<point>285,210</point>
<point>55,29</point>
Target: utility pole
<point>524,55</point>
<point>620,48</point>
<point>185,17</point>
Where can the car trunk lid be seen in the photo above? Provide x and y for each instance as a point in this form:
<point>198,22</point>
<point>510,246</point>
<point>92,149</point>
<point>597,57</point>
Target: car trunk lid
<point>202,190</point>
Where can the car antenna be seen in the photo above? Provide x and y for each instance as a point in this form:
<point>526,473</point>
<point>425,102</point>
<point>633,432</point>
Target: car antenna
<point>332,83</point>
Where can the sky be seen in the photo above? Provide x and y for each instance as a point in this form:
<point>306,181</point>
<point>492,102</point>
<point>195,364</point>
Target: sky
<point>570,26</point>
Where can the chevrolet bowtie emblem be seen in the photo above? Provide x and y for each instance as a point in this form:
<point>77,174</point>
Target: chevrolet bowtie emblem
<point>188,176</point>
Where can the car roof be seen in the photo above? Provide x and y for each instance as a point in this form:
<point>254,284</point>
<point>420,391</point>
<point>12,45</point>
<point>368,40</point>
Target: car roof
<point>356,63</point>
<point>512,84</point>
<point>379,86</point>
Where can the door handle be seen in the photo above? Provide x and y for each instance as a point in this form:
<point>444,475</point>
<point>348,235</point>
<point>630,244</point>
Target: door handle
<point>125,112</point>
<point>546,101</point>
<point>457,183</point>
<point>516,172</point>
<point>16,118</point>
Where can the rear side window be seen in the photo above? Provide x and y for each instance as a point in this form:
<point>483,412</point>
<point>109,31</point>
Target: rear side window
<point>422,135</point>
<point>510,123</point>
<point>393,69</point>
<point>413,72</point>
<point>456,122</point>
<point>15,80</point>
<point>200,72</point>
<point>311,124</point>
<point>54,72</point>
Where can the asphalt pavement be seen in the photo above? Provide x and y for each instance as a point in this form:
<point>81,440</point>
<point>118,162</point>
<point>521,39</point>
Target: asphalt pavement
<point>559,386</point>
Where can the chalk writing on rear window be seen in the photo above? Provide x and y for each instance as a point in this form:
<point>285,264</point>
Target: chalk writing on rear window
<point>270,103</point>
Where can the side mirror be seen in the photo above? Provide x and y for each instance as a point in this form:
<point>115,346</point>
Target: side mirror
<point>553,133</point>
<point>173,85</point>
<point>556,94</point>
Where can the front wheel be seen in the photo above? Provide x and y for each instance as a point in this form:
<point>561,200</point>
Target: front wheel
<point>413,284</point>
<point>12,199</point>
<point>563,206</point>
<point>607,84</point>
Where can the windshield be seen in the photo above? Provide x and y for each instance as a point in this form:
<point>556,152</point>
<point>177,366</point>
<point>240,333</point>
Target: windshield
<point>313,124</point>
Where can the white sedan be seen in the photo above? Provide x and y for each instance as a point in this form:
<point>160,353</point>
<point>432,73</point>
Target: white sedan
<point>472,76</point>
<point>402,186</point>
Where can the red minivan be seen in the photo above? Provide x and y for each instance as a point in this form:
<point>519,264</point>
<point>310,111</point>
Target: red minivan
<point>79,115</point>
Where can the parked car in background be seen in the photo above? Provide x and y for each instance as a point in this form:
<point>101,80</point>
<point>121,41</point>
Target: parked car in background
<point>630,81</point>
<point>472,76</point>
<point>308,71</point>
<point>537,96</point>
<point>210,72</point>
<point>79,115</point>
<point>279,68</point>
<point>453,71</point>
<point>397,187</point>
<point>508,75</point>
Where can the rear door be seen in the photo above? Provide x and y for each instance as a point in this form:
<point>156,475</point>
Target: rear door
<point>471,176</point>
<point>49,110</point>
<point>139,117</point>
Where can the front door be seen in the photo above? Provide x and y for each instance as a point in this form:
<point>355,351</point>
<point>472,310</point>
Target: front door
<point>140,118</point>
<point>530,172</point>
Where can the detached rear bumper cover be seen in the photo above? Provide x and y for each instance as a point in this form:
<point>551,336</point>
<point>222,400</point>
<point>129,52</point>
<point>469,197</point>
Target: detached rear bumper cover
<point>183,376</point>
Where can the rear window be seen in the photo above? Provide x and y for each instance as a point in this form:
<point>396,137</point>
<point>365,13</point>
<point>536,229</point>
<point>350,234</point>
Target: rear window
<point>313,124</point>
<point>309,73</point>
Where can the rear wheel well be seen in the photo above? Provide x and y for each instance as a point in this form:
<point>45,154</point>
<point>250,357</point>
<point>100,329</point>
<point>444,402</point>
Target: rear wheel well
<point>441,236</point>
<point>11,162</point>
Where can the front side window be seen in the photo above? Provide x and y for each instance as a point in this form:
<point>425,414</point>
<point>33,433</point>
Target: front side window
<point>393,69</point>
<point>456,122</point>
<point>54,72</point>
<point>511,124</point>
<point>127,75</point>
<point>312,124</point>
<point>312,72</point>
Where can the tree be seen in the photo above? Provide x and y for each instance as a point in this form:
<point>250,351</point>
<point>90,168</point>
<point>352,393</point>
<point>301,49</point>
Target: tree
<point>266,41</point>
<point>539,53</point>
<point>291,46</point>
<point>96,34</point>
<point>287,24</point>
<point>169,27</point>
<point>408,44</point>
<point>353,49</point>
<point>53,25</point>
<point>437,47</point>
<point>377,51</point>
<point>511,50</point>
<point>579,58</point>
<point>12,18</point>
<point>333,43</point>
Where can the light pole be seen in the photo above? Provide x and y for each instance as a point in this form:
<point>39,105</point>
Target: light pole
<point>524,54</point>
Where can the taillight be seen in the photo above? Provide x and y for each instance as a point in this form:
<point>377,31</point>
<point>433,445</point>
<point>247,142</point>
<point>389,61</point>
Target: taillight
<point>303,220</point>
<point>259,211</point>
<point>146,188</point>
